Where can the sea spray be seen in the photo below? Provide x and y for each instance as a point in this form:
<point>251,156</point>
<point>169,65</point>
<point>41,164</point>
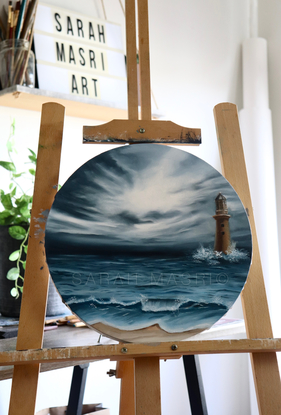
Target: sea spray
<point>208,255</point>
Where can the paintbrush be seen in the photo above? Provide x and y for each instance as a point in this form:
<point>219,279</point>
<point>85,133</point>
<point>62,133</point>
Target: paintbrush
<point>20,19</point>
<point>16,13</point>
<point>3,30</point>
<point>10,7</point>
<point>30,43</point>
<point>28,19</point>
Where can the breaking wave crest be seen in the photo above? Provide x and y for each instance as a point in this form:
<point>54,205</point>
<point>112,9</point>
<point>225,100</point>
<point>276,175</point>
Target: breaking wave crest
<point>212,257</point>
<point>101,301</point>
<point>161,305</point>
<point>149,305</point>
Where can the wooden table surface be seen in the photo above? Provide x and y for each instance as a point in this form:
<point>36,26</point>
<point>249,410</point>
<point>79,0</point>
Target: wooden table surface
<point>62,336</point>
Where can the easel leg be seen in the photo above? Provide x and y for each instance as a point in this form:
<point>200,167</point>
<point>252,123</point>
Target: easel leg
<point>24,379</point>
<point>254,301</point>
<point>34,299</point>
<point>126,371</point>
<point>195,385</point>
<point>147,384</point>
<point>267,383</point>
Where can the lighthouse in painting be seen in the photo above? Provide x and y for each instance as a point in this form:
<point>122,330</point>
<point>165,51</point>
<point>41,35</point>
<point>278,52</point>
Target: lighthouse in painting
<point>222,239</point>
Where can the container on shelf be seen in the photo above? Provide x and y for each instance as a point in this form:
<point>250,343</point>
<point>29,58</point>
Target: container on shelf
<point>16,63</point>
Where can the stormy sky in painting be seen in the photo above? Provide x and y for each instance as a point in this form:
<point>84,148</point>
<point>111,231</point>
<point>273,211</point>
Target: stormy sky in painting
<point>142,198</point>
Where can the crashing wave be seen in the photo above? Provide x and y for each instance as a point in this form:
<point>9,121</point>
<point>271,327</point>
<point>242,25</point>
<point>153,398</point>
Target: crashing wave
<point>156,305</point>
<point>207,255</point>
<point>105,301</point>
<point>213,257</point>
<point>161,305</point>
<point>235,255</point>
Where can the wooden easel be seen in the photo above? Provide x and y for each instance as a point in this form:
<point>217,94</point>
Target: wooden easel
<point>139,363</point>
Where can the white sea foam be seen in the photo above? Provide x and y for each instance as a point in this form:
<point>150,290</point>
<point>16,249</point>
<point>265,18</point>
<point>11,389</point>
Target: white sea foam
<point>124,303</point>
<point>213,257</point>
<point>161,305</point>
<point>76,300</point>
<point>101,301</point>
<point>207,255</point>
<point>235,255</point>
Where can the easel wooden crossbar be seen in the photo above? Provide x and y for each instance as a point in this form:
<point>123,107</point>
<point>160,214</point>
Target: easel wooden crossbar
<point>138,367</point>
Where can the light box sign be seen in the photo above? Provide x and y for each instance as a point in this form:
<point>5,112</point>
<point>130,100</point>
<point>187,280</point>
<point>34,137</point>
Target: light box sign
<point>79,55</point>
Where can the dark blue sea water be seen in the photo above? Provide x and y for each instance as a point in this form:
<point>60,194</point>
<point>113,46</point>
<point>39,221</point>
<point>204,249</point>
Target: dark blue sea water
<point>178,293</point>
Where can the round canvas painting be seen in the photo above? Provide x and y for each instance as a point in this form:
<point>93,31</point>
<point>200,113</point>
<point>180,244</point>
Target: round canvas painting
<point>148,243</point>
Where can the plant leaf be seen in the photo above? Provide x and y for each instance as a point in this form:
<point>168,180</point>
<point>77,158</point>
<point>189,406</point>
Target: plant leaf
<point>13,274</point>
<point>24,200</point>
<point>6,201</point>
<point>14,292</point>
<point>25,249</point>
<point>32,158</point>
<point>8,165</point>
<point>6,219</point>
<point>17,232</point>
<point>4,213</point>
<point>14,255</point>
<point>25,212</point>
<point>32,171</point>
<point>19,220</point>
<point>32,152</point>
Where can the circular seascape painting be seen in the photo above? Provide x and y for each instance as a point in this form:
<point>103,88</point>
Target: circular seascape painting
<point>148,243</point>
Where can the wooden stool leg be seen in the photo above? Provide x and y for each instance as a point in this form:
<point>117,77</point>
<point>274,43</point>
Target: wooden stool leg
<point>147,384</point>
<point>126,371</point>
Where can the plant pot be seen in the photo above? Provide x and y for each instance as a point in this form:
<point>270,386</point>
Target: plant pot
<point>9,306</point>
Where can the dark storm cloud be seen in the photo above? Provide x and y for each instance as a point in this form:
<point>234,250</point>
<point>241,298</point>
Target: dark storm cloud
<point>156,215</point>
<point>128,218</point>
<point>185,164</point>
<point>138,160</point>
<point>141,195</point>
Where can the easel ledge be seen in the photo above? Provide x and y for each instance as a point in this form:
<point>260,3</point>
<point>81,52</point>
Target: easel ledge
<point>128,351</point>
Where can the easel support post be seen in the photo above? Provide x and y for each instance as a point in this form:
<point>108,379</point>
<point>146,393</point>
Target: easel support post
<point>254,301</point>
<point>147,386</point>
<point>125,370</point>
<point>34,299</point>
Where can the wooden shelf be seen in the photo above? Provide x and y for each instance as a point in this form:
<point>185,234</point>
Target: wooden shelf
<point>32,99</point>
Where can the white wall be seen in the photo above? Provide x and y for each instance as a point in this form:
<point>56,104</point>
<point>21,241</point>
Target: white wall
<point>195,64</point>
<point>269,28</point>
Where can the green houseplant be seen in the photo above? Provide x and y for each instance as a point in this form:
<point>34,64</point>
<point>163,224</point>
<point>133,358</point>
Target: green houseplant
<point>15,208</point>
<point>15,214</point>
